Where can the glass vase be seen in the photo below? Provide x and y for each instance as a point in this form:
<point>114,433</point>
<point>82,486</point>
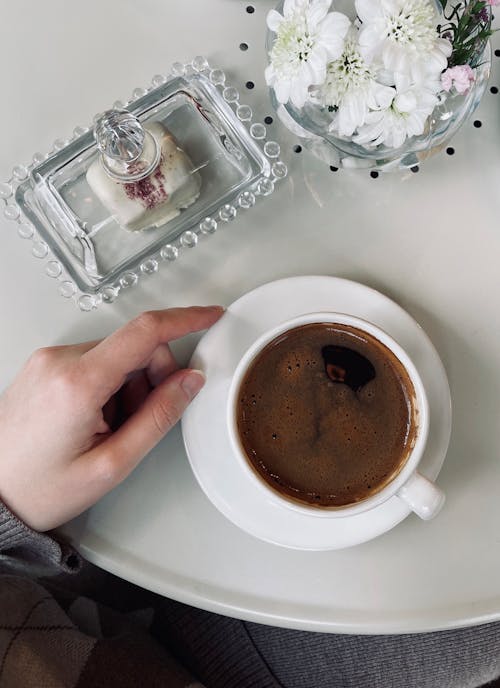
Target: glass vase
<point>311,123</point>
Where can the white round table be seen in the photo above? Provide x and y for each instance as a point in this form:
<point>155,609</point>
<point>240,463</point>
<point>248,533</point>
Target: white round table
<point>429,240</point>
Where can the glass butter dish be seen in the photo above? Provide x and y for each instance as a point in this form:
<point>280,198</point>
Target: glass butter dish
<point>145,182</point>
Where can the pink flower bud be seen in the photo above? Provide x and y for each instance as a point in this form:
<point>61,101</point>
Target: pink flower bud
<point>461,77</point>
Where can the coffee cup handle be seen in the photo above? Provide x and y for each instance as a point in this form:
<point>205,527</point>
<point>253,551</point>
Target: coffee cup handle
<point>422,496</point>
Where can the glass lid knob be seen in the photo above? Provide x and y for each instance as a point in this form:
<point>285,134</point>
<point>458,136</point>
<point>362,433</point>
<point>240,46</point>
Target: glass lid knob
<point>128,151</point>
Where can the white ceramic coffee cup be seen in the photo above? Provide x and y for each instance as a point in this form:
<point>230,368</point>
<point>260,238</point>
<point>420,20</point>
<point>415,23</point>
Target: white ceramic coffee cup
<point>420,494</point>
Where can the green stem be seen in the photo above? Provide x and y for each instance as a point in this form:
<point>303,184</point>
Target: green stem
<point>468,29</point>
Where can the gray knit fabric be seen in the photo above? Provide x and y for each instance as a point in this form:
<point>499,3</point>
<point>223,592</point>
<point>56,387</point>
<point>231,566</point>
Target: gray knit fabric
<point>227,653</point>
<point>215,648</point>
<point>39,551</point>
<point>464,658</point>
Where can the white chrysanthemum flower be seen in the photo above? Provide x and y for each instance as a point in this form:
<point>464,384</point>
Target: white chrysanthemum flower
<point>406,116</point>
<point>351,88</point>
<point>307,38</point>
<point>403,35</point>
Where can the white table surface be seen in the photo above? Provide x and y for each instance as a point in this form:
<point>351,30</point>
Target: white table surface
<point>431,241</point>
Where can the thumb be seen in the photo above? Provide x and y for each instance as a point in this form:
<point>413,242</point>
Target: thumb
<point>159,412</point>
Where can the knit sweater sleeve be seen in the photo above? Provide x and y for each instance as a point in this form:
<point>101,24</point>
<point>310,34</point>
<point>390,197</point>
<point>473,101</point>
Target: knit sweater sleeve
<point>18,542</point>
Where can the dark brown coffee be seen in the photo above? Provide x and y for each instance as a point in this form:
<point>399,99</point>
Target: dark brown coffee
<point>326,414</point>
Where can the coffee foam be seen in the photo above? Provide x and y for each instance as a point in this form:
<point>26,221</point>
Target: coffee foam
<point>316,440</point>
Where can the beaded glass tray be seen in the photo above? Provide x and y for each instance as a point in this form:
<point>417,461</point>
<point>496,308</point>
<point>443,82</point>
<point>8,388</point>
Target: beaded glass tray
<point>84,244</point>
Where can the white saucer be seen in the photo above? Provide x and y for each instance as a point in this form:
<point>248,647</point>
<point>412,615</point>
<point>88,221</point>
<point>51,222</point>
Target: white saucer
<point>204,423</point>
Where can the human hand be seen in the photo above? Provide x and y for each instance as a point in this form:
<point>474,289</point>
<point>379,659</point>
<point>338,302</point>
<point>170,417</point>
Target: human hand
<point>78,419</point>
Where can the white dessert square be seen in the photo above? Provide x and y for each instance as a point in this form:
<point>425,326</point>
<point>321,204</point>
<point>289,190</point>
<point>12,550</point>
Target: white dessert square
<point>156,199</point>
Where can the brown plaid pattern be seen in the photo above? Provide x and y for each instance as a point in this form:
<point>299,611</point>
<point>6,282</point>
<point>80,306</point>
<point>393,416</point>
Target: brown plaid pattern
<point>42,647</point>
<point>39,646</point>
<point>72,643</point>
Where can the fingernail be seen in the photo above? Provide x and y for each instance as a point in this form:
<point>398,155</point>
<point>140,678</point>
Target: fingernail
<point>192,382</point>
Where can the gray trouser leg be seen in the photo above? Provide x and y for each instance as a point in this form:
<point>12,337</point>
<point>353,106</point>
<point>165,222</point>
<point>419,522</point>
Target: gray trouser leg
<point>465,658</point>
<point>227,653</point>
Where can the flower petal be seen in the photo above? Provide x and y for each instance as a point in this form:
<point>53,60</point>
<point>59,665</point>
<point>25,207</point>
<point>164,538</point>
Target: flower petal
<point>397,136</point>
<point>356,106</point>
<point>393,57</point>
<point>289,7</point>
<point>270,75</point>
<point>317,12</point>
<point>345,123</point>
<point>372,130</point>
<point>391,7</point>
<point>370,38</point>
<point>402,81</point>
<point>421,72</point>
<point>274,20</point>
<point>405,102</point>
<point>317,61</point>
<point>444,46</point>
<point>385,77</point>
<point>332,32</point>
<point>306,75</point>
<point>282,90</point>
<point>446,80</point>
<point>335,25</point>
<point>368,10</point>
<point>415,124</point>
<point>298,93</point>
<point>384,95</point>
<point>436,61</point>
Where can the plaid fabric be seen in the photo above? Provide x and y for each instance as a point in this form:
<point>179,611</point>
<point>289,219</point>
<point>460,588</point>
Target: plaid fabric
<point>72,642</point>
<point>39,645</point>
<point>85,645</point>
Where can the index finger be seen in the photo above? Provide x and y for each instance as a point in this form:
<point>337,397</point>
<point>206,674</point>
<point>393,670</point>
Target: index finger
<point>130,347</point>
